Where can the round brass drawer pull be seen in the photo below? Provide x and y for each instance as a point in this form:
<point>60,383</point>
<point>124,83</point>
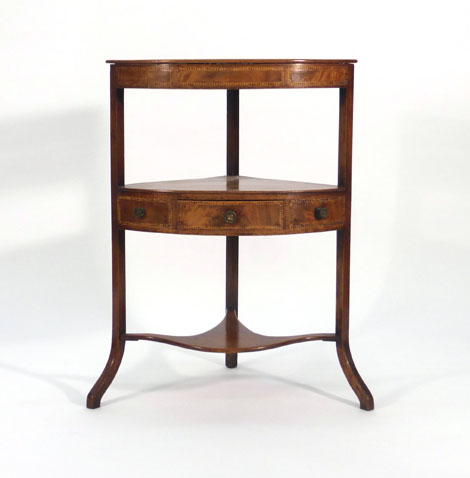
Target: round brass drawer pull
<point>230,216</point>
<point>321,213</point>
<point>139,212</point>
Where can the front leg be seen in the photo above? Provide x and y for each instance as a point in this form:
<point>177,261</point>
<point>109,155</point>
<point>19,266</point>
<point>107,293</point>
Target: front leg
<point>119,320</point>
<point>342,321</point>
<point>107,376</point>
<point>366,399</point>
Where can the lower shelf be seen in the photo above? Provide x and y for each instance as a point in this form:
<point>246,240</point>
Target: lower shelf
<point>230,336</point>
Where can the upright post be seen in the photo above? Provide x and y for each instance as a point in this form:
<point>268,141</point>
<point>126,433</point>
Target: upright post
<point>231,270</point>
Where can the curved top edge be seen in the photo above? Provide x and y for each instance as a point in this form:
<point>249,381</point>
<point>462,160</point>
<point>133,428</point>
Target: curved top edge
<point>232,185</point>
<point>232,62</point>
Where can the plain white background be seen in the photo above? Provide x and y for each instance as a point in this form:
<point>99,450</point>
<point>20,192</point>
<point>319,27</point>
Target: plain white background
<point>177,413</point>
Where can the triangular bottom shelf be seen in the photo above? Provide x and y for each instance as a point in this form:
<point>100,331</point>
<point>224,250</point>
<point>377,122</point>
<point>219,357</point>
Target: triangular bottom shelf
<point>230,336</point>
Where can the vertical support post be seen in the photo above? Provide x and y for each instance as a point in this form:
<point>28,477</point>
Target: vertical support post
<point>343,247</point>
<point>118,248</point>
<point>231,270</point>
<point>233,139</point>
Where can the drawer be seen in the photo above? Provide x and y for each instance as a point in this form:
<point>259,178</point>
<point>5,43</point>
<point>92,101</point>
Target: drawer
<point>317,214</point>
<point>138,212</point>
<point>228,76</point>
<point>223,216</point>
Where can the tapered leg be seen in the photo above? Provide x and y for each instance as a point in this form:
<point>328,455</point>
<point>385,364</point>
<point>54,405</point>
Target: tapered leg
<point>119,321</point>
<point>342,322</point>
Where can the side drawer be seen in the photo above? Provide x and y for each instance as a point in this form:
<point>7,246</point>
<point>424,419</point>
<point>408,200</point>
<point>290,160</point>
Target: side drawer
<point>317,214</point>
<point>212,217</point>
<point>137,212</point>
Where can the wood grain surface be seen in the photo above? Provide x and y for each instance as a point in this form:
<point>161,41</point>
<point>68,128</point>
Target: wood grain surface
<point>231,74</point>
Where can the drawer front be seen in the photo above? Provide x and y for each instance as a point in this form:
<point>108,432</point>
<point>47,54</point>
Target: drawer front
<point>206,76</point>
<point>223,216</point>
<point>317,214</point>
<point>304,76</point>
<point>138,212</point>
<point>143,76</point>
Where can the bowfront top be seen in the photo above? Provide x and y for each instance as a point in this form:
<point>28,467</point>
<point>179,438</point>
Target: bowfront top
<point>232,74</point>
<point>233,62</point>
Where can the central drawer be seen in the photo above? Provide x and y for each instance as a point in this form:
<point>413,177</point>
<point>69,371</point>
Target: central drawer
<point>223,216</point>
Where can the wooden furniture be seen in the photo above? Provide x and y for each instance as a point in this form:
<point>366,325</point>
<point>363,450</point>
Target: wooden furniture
<point>231,205</point>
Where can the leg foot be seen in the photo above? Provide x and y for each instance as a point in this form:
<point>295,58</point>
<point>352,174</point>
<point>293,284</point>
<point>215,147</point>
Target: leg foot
<point>231,360</point>
<point>107,376</point>
<point>350,371</point>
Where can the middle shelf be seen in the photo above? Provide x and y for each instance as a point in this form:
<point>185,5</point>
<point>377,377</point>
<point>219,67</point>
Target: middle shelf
<point>231,206</point>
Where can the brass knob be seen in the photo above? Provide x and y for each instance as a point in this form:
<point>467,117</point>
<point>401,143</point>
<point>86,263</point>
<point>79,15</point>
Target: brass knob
<point>230,216</point>
<point>139,212</point>
<point>321,213</point>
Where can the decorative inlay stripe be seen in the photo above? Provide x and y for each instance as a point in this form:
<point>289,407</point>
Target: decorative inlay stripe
<point>231,76</point>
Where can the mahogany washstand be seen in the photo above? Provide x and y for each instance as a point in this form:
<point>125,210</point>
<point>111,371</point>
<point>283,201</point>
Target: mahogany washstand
<point>231,205</point>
